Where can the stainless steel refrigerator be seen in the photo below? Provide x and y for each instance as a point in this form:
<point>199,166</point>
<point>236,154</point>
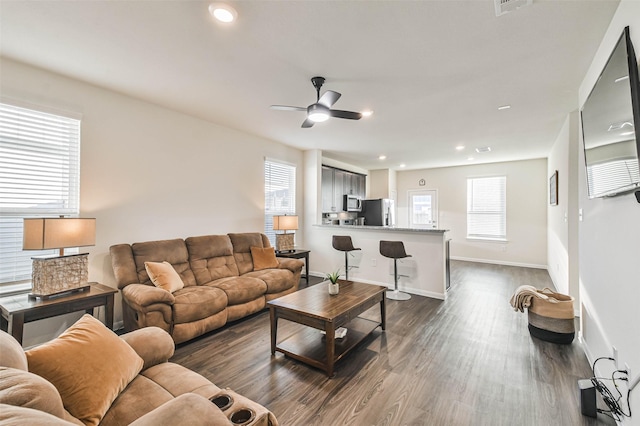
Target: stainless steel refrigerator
<point>378,212</point>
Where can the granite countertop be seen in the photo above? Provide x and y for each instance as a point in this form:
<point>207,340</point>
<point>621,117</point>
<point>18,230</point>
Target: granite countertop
<point>385,228</point>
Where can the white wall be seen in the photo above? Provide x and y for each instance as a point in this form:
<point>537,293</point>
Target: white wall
<point>562,219</point>
<point>609,242</point>
<point>526,209</point>
<point>151,173</point>
<point>382,183</point>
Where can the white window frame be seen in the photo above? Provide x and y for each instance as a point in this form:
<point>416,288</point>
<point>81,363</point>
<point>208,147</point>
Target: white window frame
<point>487,208</point>
<point>279,176</point>
<point>39,177</point>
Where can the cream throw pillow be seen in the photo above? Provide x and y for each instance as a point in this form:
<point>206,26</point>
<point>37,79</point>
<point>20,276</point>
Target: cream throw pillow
<point>164,276</point>
<point>264,258</point>
<point>89,365</point>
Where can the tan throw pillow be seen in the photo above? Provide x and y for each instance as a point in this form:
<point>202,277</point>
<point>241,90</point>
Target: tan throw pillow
<point>89,365</point>
<point>164,276</point>
<point>264,258</point>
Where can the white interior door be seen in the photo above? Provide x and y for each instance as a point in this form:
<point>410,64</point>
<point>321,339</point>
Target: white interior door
<point>423,208</point>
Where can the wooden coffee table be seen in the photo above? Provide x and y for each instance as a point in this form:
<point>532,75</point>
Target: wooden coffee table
<point>316,309</point>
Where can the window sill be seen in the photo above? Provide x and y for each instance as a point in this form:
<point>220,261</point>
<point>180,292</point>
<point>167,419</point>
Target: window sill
<point>488,240</point>
<point>13,289</point>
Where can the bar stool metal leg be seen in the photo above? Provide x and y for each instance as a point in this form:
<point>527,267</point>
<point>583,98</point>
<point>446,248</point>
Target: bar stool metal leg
<point>396,294</point>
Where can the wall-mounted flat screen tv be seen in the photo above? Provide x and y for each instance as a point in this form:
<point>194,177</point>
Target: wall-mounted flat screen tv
<point>610,121</point>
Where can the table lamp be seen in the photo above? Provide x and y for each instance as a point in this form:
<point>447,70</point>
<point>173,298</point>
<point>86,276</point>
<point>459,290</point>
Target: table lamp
<point>53,275</point>
<point>284,241</point>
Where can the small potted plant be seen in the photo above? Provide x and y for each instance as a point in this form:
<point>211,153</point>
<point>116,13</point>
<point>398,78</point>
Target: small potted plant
<point>334,287</point>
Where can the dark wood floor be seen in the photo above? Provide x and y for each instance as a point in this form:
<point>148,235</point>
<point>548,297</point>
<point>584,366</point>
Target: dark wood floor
<point>467,361</point>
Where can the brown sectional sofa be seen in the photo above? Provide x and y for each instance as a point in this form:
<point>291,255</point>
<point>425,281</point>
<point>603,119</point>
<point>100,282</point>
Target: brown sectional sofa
<point>220,283</point>
<point>162,393</point>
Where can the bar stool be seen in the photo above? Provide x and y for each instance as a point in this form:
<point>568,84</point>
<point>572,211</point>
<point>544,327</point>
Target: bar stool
<point>395,251</point>
<point>344,243</point>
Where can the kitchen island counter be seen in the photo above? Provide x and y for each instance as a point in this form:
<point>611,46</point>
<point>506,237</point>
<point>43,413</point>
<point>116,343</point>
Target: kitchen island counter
<point>425,273</point>
<point>386,228</point>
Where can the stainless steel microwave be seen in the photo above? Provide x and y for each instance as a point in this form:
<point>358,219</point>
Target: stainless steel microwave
<point>352,203</point>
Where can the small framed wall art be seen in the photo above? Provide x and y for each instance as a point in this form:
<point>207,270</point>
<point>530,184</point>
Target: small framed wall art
<point>553,189</point>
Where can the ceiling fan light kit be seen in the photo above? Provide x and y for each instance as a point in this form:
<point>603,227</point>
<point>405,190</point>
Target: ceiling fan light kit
<point>317,113</point>
<point>321,110</point>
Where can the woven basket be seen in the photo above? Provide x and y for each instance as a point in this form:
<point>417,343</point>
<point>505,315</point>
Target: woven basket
<point>552,321</point>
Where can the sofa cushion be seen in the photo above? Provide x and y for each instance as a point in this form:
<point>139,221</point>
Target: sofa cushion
<point>240,289</point>
<point>173,251</point>
<point>242,244</point>
<point>25,389</point>
<point>277,280</point>
<point>89,365</point>
<point>188,409</point>
<point>178,380</point>
<point>12,355</point>
<point>152,388</point>
<point>11,415</point>
<point>197,302</point>
<point>264,258</point>
<point>211,258</point>
<point>164,276</point>
<point>141,396</point>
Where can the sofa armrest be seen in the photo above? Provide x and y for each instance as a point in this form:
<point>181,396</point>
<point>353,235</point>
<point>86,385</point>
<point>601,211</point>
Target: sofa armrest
<point>144,295</point>
<point>294,265</point>
<point>153,344</point>
<point>187,409</point>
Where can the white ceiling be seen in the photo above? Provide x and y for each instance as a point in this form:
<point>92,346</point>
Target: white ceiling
<point>433,72</point>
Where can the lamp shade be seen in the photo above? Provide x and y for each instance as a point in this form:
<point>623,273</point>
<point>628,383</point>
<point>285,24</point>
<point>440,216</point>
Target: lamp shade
<point>285,223</point>
<point>59,232</point>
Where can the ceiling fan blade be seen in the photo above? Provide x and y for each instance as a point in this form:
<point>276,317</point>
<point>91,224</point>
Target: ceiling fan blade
<point>307,123</point>
<point>350,115</point>
<point>329,98</point>
<point>287,108</point>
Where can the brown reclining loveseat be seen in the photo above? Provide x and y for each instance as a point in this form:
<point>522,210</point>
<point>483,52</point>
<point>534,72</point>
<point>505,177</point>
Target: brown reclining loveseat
<point>220,282</point>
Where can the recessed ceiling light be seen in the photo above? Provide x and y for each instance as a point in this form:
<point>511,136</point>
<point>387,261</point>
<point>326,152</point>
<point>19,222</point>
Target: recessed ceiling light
<point>366,113</point>
<point>382,157</point>
<point>469,158</point>
<point>459,147</point>
<point>500,108</point>
<point>403,165</point>
<point>223,12</point>
<point>483,149</point>
<point>626,133</point>
<point>618,80</point>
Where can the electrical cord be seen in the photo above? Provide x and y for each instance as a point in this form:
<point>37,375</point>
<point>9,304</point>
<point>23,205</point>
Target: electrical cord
<point>615,410</point>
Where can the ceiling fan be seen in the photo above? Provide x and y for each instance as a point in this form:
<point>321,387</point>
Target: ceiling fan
<point>321,110</point>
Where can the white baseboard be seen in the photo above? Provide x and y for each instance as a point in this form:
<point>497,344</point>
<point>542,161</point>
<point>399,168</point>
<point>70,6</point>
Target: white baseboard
<point>499,262</point>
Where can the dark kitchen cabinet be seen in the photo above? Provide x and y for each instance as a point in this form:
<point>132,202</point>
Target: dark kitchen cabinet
<point>335,184</point>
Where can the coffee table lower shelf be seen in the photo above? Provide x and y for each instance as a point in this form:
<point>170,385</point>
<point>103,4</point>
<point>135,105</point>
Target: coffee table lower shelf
<point>308,345</point>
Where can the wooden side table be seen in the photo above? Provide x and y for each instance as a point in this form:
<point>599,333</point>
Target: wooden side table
<point>20,309</point>
<point>298,254</point>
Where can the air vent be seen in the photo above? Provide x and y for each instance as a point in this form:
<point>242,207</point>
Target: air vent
<point>506,6</point>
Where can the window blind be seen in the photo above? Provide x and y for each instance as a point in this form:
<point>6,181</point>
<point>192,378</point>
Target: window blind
<point>487,208</point>
<point>39,177</point>
<point>279,193</point>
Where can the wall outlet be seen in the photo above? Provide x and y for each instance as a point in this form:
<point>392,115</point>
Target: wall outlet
<point>374,262</point>
<point>615,357</point>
